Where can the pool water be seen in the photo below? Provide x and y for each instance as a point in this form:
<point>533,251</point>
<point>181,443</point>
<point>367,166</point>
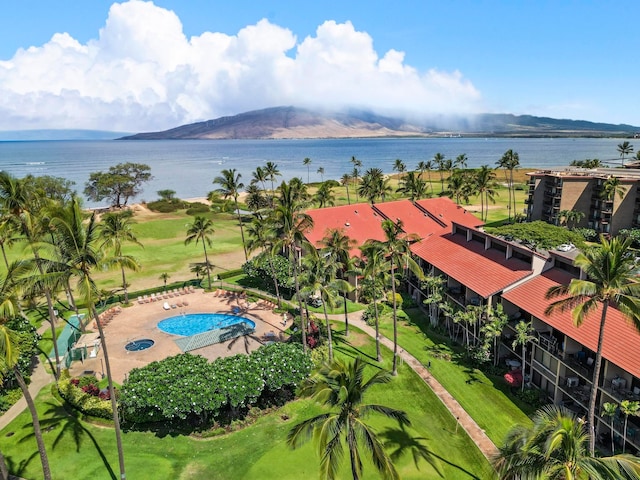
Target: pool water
<point>139,345</point>
<point>194,323</point>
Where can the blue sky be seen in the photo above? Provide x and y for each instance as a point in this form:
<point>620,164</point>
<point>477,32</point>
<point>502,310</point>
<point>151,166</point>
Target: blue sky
<point>137,66</point>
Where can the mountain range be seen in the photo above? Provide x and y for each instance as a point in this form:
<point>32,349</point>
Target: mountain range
<point>298,123</point>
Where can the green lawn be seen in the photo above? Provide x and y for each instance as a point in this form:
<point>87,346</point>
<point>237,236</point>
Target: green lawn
<point>484,398</point>
<point>82,450</point>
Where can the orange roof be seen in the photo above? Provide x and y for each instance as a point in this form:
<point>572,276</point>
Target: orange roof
<point>621,340</point>
<point>486,272</point>
<point>359,221</point>
<point>414,220</point>
<point>446,210</point>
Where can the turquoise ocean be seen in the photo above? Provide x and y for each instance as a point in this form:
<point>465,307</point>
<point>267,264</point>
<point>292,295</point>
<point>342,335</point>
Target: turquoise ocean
<point>189,166</point>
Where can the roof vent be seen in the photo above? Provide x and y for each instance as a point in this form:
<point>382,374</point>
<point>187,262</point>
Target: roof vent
<point>356,211</point>
<point>347,224</point>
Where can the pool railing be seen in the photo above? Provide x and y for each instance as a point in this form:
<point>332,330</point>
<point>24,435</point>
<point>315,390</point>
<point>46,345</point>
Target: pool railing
<point>211,337</point>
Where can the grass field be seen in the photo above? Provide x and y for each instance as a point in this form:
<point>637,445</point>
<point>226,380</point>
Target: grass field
<point>81,450</point>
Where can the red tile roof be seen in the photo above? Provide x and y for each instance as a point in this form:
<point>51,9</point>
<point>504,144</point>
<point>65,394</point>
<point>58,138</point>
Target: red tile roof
<point>486,272</point>
<point>359,221</point>
<point>447,211</point>
<point>621,340</point>
<point>414,220</point>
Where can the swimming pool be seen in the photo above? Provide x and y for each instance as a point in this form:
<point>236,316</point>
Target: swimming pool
<point>194,323</point>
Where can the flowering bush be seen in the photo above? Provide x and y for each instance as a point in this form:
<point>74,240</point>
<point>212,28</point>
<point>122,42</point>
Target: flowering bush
<point>187,387</point>
<point>87,398</point>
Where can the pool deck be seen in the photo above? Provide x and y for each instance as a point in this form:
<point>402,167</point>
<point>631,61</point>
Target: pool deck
<point>140,321</point>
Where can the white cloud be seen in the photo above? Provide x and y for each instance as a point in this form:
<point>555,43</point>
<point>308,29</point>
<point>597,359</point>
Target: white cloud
<point>142,73</point>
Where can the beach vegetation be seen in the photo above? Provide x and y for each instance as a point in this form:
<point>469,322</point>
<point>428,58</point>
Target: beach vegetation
<point>119,184</point>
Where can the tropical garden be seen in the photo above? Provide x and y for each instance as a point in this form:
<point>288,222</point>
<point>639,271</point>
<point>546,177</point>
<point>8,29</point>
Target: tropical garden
<point>329,383</point>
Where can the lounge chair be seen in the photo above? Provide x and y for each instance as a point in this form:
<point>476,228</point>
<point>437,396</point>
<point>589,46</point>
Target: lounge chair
<point>166,306</point>
<point>185,303</point>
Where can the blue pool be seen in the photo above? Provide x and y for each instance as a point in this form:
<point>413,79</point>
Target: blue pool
<point>193,323</point>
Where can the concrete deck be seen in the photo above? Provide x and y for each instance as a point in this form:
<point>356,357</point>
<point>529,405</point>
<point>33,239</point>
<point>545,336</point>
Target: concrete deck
<point>140,321</point>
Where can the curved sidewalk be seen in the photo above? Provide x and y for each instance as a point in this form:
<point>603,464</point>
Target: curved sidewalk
<point>479,437</point>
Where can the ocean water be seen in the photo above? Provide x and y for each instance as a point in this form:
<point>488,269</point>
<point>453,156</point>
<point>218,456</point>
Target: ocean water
<point>189,166</point>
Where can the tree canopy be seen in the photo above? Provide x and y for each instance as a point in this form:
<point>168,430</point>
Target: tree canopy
<point>118,185</point>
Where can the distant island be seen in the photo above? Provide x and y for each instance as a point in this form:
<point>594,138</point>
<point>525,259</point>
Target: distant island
<point>300,123</point>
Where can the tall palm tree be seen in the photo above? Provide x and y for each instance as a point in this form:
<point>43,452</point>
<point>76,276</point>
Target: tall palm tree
<point>345,180</point>
<point>291,223</point>
<point>271,173</point>
<point>116,229</point>
<point>164,276</point>
<point>524,334</point>
<point>459,186</point>
<point>611,278</point>
<point>325,196</point>
<point>624,148</point>
<point>628,407</point>
<point>610,410</point>
<point>426,167</point>
<point>461,161</point>
<point>375,277</point>
<point>79,241</point>
<point>438,161</point>
<point>341,386</point>
<point>485,186</point>
<point>555,448</point>
<point>25,205</point>
<point>355,174</point>
<point>320,276</point>
<point>321,172</point>
<point>412,186</point>
<point>262,236</point>
<point>259,176</point>
<point>201,230</point>
<point>307,162</point>
<point>396,250</point>
<point>230,187</point>
<point>9,356</point>
<point>337,245</point>
<point>510,161</point>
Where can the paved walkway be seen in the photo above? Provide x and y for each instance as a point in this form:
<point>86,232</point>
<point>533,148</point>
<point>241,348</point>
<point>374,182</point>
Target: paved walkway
<point>39,379</point>
<point>479,437</point>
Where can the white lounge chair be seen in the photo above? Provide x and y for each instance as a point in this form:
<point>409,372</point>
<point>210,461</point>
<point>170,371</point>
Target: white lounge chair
<point>166,306</point>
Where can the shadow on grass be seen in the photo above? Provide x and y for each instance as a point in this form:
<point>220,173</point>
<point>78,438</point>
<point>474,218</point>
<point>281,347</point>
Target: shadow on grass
<point>342,345</point>
<point>401,443</point>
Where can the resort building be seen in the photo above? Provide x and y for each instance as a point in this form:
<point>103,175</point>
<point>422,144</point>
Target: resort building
<point>551,192</point>
<point>485,270</point>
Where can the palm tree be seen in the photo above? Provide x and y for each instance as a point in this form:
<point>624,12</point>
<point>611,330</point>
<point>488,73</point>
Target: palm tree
<point>230,186</point>
<point>307,162</point>
<point>628,407</point>
<point>24,205</point>
<point>164,276</point>
<point>459,186</point>
<point>345,180</point>
<point>9,356</point>
<point>116,229</point>
<point>396,250</point>
<point>321,172</point>
<point>510,161</point>
<point>201,230</point>
<point>320,277</point>
<point>524,335</point>
<point>461,161</point>
<point>610,279</point>
<point>259,176</point>
<point>412,186</point>
<point>485,186</point>
<point>426,167</point>
<point>291,223</point>
<point>375,276</point>
<point>438,161</point>
<point>78,242</point>
<point>337,245</point>
<point>341,385</point>
<point>355,174</point>
<point>325,196</point>
<point>610,188</point>
<point>610,410</point>
<point>271,172</point>
<point>555,448</point>
<point>262,236</point>
<point>400,167</point>
<point>624,148</point>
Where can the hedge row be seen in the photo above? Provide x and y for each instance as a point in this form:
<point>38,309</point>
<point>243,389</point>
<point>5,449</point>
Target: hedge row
<point>85,402</point>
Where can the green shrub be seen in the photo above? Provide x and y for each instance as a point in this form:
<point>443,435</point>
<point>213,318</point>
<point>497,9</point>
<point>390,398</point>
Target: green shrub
<point>589,234</point>
<point>9,398</point>
<point>197,208</point>
<point>86,403</point>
